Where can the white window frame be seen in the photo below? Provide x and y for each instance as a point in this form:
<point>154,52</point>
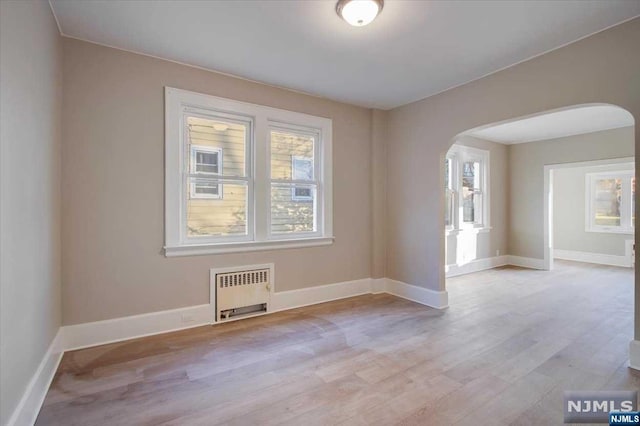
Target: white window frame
<point>295,197</point>
<point>452,189</point>
<point>317,173</point>
<point>626,224</point>
<point>259,121</point>
<point>209,149</point>
<point>459,154</point>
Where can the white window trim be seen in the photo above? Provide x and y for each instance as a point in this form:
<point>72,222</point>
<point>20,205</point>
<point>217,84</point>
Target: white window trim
<point>459,154</point>
<point>625,227</point>
<point>192,187</point>
<point>318,171</point>
<point>193,109</point>
<point>261,119</point>
<point>452,189</point>
<point>295,197</point>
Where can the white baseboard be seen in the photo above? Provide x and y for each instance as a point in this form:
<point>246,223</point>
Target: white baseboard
<point>378,285</point>
<point>476,266</point>
<point>525,262</point>
<point>493,262</point>
<point>634,354</point>
<point>424,296</point>
<point>96,333</point>
<point>29,406</point>
<point>283,300</point>
<point>601,259</point>
<point>88,334</point>
<point>310,296</point>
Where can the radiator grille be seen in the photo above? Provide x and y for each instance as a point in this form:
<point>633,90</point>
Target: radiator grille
<point>233,279</point>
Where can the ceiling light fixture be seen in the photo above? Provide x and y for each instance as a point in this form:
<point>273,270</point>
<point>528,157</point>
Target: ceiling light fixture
<point>359,12</point>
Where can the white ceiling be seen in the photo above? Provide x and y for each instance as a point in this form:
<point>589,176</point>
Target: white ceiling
<point>413,50</point>
<point>557,124</point>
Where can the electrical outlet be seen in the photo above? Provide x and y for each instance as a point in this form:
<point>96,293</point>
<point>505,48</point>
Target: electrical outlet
<point>497,253</point>
<point>188,318</point>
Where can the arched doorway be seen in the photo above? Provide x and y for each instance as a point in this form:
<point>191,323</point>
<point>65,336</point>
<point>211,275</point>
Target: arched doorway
<point>485,228</point>
<point>472,176</point>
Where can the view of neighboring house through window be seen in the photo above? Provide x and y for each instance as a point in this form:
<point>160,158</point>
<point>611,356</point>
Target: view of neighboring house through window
<point>244,173</point>
<point>302,170</point>
<point>293,184</point>
<point>206,162</point>
<point>218,182</point>
<point>610,202</point>
<point>466,177</point>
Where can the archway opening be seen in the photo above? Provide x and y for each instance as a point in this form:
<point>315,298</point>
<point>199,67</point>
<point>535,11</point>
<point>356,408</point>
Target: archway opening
<point>498,190</point>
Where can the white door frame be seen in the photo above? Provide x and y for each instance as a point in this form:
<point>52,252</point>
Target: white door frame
<point>548,199</point>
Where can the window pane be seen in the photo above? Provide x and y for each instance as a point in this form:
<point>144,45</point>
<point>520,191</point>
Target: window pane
<point>293,208</point>
<point>222,135</point>
<point>302,168</point>
<point>607,202</point>
<point>206,189</point>
<point>633,202</point>
<point>471,175</point>
<point>448,207</point>
<point>448,193</point>
<point>291,156</point>
<point>225,214</point>
<point>468,207</point>
<point>447,173</point>
<point>301,194</point>
<point>206,162</point>
<point>470,190</point>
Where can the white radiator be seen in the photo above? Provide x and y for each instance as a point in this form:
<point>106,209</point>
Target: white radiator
<point>242,293</point>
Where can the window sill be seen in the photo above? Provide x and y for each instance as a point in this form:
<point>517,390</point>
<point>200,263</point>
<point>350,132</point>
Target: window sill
<point>610,231</point>
<point>242,247</point>
<point>478,230</point>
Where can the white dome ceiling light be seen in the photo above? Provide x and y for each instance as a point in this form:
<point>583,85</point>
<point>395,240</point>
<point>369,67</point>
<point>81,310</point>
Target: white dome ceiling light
<point>359,12</point>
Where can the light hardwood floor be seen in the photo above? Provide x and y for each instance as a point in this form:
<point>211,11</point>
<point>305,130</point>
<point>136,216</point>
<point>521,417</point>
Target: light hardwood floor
<point>512,341</point>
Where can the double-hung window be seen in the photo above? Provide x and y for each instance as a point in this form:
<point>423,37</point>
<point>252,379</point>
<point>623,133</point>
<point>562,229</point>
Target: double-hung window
<point>466,172</point>
<point>610,200</point>
<point>294,187</point>
<point>241,177</point>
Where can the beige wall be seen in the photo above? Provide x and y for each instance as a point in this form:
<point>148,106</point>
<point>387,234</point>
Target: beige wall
<point>379,142</point>
<point>603,68</point>
<point>569,212</point>
<point>30,83</point>
<point>527,179</point>
<point>496,239</point>
<point>113,124</point>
